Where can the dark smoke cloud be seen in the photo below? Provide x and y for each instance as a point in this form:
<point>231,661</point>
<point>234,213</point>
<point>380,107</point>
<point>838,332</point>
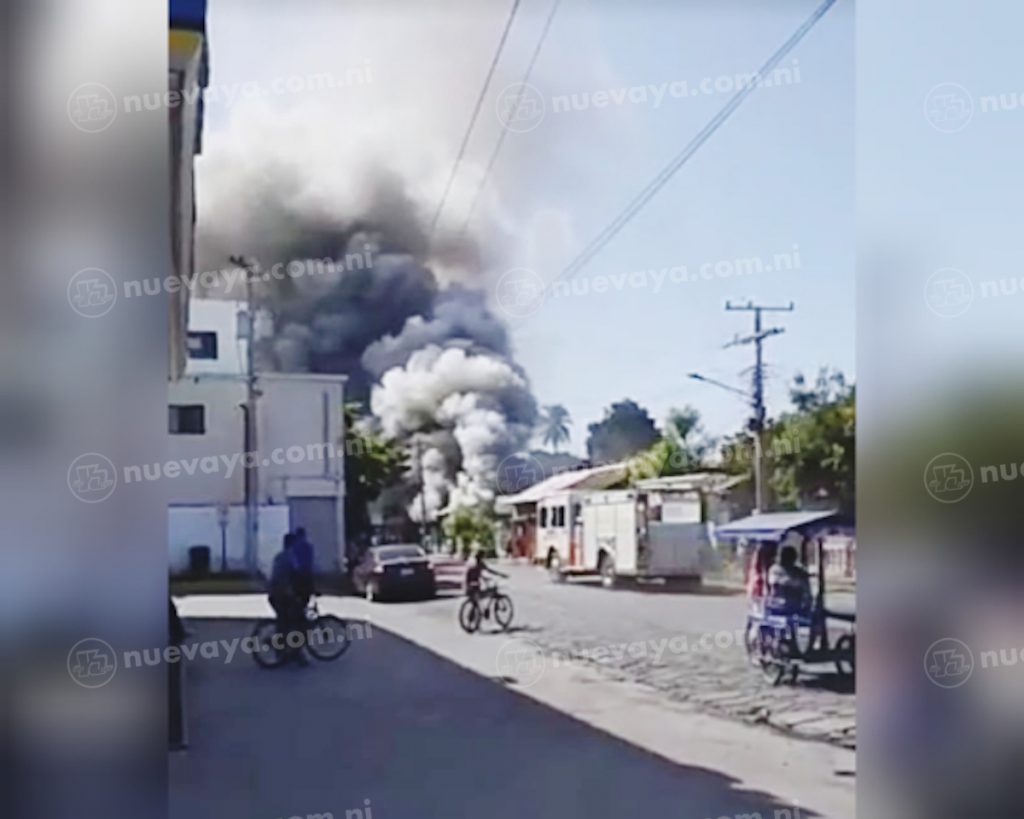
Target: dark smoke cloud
<point>423,352</point>
<point>458,313</point>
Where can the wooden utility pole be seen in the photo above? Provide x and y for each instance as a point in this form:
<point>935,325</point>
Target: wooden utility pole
<point>757,395</point>
<point>423,493</point>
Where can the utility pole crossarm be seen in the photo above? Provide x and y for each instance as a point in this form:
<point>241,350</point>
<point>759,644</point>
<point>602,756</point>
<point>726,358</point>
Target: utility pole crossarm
<point>757,339</point>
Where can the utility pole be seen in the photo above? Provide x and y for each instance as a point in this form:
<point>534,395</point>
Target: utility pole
<point>423,493</point>
<point>757,395</point>
<point>251,461</point>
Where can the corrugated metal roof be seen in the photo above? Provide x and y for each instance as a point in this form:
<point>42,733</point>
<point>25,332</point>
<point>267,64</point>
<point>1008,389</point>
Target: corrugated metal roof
<point>705,481</point>
<point>771,525</point>
<point>597,477</point>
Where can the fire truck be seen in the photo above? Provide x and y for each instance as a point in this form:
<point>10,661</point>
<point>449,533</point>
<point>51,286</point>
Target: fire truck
<point>627,533</point>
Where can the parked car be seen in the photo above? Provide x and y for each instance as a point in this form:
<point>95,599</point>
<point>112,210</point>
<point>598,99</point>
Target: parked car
<point>394,570</point>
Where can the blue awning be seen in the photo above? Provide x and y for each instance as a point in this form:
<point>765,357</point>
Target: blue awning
<point>188,14</point>
<point>773,525</point>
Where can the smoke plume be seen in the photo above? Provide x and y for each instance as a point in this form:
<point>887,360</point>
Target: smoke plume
<point>368,294</point>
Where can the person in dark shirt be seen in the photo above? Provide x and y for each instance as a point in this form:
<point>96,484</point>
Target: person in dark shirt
<point>302,557</point>
<point>788,583</point>
<point>475,574</point>
<point>283,597</point>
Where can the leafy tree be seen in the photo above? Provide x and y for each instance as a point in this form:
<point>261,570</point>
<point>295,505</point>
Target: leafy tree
<point>811,451</point>
<point>471,527</point>
<point>681,449</point>
<point>685,428</point>
<point>626,429</point>
<point>372,464</point>
<point>555,423</point>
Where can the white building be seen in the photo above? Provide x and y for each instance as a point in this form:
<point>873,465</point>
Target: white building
<point>300,458</point>
<point>188,68</point>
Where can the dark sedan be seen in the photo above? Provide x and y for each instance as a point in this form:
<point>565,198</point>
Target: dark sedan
<point>395,570</point>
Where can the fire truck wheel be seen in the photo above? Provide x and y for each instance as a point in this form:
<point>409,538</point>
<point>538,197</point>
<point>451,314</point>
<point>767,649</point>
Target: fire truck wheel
<point>606,566</point>
<point>555,567</point>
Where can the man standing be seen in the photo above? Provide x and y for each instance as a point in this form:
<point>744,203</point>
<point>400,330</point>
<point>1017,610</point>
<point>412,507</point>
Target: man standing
<point>302,557</point>
<point>285,600</point>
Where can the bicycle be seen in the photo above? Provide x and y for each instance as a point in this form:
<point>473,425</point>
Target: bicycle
<point>475,609</point>
<point>325,636</point>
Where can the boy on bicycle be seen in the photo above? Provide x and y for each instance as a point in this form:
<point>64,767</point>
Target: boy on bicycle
<point>474,575</point>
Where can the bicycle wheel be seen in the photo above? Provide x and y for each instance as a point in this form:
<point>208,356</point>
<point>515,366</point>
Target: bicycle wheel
<point>503,611</point>
<point>266,656</point>
<point>327,638</point>
<point>469,616</point>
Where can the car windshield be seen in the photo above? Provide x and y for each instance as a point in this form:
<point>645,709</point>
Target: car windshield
<point>398,552</point>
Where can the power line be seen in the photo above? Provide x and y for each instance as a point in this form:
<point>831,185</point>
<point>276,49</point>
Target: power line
<point>476,113</point>
<point>652,188</point>
<point>515,106</point>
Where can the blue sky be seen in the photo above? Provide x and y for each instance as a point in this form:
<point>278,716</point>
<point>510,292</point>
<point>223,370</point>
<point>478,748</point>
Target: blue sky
<point>779,174</point>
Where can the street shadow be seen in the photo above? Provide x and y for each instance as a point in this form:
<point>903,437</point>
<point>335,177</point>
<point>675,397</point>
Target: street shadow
<point>410,729</point>
<point>828,681</point>
<point>519,630</point>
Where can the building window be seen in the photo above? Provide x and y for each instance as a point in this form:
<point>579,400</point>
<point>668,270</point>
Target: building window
<point>560,517</point>
<point>187,419</point>
<point>543,517</point>
<point>202,344</point>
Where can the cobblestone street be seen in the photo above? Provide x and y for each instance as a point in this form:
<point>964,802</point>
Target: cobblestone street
<point>687,645</point>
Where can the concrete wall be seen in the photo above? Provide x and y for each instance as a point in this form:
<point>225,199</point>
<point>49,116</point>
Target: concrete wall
<point>223,439</point>
<point>186,71</point>
<point>300,436</point>
<point>199,526</point>
<point>300,433</point>
<point>220,316</point>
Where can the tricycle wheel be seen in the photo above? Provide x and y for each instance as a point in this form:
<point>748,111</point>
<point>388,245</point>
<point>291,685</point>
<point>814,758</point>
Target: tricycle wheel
<point>752,643</point>
<point>846,655</point>
<point>774,671</point>
<point>776,650</point>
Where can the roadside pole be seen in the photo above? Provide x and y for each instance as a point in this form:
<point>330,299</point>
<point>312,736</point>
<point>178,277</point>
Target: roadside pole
<point>423,494</point>
<point>252,522</point>
<point>757,393</point>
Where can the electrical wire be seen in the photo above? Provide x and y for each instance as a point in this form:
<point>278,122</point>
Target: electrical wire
<point>476,113</point>
<point>655,185</point>
<point>515,106</point>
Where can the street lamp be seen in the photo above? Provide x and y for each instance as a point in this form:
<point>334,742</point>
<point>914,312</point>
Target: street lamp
<point>756,434</point>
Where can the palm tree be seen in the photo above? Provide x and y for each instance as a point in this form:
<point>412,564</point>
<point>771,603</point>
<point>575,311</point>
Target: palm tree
<point>555,422</point>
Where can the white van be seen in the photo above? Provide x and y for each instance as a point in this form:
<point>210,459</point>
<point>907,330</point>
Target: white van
<point>629,533</point>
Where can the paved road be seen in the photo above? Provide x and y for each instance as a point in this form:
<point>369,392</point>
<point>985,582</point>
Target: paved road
<point>395,732</point>
<point>687,645</point>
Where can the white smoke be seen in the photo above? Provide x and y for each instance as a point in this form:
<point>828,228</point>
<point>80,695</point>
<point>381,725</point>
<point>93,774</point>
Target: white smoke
<point>482,401</point>
<point>435,485</point>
